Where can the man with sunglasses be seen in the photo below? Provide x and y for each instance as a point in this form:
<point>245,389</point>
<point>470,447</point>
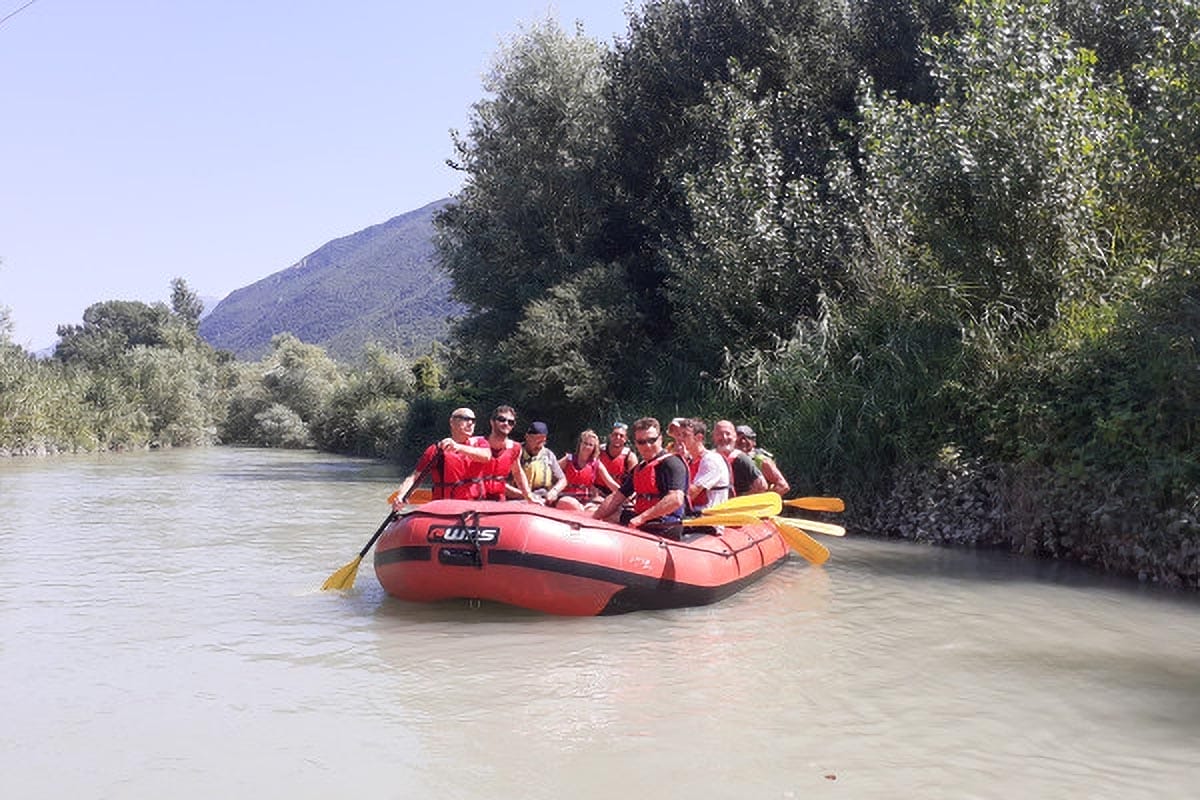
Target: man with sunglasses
<point>658,486</point>
<point>455,464</point>
<point>504,459</point>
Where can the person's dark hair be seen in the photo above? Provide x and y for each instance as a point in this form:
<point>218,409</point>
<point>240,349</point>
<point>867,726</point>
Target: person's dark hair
<point>696,426</point>
<point>645,423</point>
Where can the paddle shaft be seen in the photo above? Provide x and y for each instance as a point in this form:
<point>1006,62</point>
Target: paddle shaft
<point>388,521</point>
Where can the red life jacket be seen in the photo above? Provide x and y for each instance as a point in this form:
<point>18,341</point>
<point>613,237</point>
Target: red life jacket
<point>579,479</point>
<point>614,464</point>
<point>454,476</point>
<point>497,469</point>
<point>645,485</point>
<point>701,499</point>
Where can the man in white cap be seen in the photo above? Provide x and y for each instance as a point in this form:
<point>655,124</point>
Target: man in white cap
<point>747,443</point>
<point>674,429</point>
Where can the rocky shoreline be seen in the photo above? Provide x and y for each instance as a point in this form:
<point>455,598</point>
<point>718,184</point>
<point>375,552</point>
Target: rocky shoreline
<point>1102,522</point>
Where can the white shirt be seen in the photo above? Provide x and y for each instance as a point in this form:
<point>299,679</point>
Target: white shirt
<point>713,471</point>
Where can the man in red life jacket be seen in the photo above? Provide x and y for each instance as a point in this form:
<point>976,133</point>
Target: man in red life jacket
<point>747,478</point>
<point>455,464</point>
<point>504,462</point>
<point>616,456</point>
<point>658,486</point>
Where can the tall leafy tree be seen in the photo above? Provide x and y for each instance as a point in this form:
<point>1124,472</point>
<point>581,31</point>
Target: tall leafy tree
<point>730,123</point>
<point>1165,177</point>
<point>526,216</point>
<point>995,192</point>
<point>110,329</point>
<point>186,304</point>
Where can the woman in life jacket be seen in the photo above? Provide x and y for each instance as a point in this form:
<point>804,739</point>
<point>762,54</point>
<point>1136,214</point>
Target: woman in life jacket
<point>584,472</point>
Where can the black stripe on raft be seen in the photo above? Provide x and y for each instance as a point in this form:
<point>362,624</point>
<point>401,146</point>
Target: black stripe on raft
<point>640,592</point>
<point>409,553</point>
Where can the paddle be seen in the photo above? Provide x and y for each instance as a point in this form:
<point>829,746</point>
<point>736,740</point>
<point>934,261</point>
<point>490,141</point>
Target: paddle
<point>344,577</point>
<point>817,503</point>
<point>730,520</point>
<point>762,504</point>
<point>418,496</point>
<point>808,547</point>
<point>812,526</point>
<point>812,550</point>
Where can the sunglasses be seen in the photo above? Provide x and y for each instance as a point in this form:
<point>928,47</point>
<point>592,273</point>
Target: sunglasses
<point>506,420</point>
<point>650,440</point>
<point>461,418</point>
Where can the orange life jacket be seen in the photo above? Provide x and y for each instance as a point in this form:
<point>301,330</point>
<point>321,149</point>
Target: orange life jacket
<point>497,469</point>
<point>580,479</point>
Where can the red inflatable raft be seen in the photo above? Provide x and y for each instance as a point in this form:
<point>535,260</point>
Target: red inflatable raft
<point>564,563</point>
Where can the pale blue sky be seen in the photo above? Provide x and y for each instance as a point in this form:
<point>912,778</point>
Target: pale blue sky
<point>222,141</point>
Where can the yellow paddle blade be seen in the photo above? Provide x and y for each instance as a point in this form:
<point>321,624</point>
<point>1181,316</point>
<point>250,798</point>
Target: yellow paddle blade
<point>813,551</point>
<point>812,526</point>
<point>730,520</point>
<point>344,577</point>
<point>762,504</point>
<point>817,503</point>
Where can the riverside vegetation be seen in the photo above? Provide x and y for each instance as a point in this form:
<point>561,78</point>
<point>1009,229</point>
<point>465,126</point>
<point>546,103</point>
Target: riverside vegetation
<point>941,254</point>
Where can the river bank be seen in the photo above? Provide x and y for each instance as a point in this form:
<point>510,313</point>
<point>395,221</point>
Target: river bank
<point>1103,522</point>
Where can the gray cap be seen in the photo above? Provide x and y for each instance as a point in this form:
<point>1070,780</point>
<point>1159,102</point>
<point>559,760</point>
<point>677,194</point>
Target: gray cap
<point>745,430</point>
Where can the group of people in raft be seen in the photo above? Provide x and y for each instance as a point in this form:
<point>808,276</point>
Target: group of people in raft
<point>652,485</point>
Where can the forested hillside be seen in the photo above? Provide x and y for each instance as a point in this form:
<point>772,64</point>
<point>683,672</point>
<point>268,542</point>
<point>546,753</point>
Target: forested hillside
<point>378,285</point>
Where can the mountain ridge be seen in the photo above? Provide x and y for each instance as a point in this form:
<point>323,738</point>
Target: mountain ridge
<point>379,284</point>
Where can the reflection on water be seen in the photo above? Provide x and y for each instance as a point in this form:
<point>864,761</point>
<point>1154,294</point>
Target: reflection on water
<point>163,636</point>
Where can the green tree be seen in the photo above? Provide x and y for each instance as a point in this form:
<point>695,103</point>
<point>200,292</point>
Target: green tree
<point>768,236</point>
<point>186,304</point>
<point>571,343</point>
<point>178,392</point>
<point>299,376</point>
<point>527,211</point>
<point>1164,178</point>
<point>995,194</point>
<point>110,329</point>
